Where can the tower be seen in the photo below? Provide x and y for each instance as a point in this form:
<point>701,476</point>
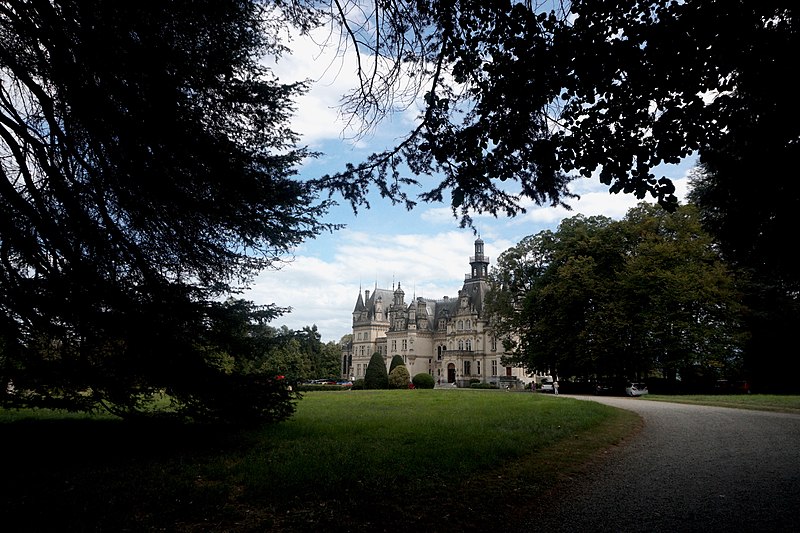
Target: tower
<point>479,262</point>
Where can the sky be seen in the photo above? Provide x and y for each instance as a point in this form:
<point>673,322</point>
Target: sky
<point>423,250</point>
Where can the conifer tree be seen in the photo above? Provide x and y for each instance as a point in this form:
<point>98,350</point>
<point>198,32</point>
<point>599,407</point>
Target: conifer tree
<point>376,376</point>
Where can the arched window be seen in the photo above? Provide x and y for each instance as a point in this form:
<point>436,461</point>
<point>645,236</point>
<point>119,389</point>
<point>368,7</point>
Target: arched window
<point>460,325</point>
<point>467,325</point>
<point>460,345</point>
<point>469,345</point>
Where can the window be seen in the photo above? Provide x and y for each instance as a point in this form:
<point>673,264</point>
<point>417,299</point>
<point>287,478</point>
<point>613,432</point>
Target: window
<point>494,344</point>
<point>460,345</point>
<point>405,344</point>
<point>467,368</point>
<point>358,336</point>
<point>394,346</point>
<point>460,325</point>
<point>362,350</point>
<point>469,345</point>
<point>478,367</point>
<point>467,325</point>
<point>494,367</point>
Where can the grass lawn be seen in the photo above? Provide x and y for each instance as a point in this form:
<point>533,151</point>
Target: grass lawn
<point>760,402</point>
<point>438,460</point>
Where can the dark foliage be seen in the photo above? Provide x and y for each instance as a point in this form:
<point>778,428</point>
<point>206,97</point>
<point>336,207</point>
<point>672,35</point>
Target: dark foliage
<point>397,360</point>
<point>376,375</point>
<point>539,93</point>
<point>623,300</point>
<point>147,170</point>
<point>423,380</point>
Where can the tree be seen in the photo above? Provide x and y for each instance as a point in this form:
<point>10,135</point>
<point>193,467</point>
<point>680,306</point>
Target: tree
<point>686,300</point>
<point>324,358</point>
<point>399,378</point>
<point>147,169</point>
<point>376,376</point>
<point>542,92</point>
<point>753,232</point>
<point>604,299</point>
<point>397,360</point>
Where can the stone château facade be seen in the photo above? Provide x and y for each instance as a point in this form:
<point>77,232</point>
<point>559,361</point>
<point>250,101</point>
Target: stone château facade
<point>451,339</point>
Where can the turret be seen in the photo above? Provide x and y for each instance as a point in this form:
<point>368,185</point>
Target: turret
<point>478,262</point>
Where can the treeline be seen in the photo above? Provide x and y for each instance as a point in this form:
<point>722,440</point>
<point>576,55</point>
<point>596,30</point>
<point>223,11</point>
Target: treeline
<point>243,370</point>
<point>295,355</point>
<point>648,296</point>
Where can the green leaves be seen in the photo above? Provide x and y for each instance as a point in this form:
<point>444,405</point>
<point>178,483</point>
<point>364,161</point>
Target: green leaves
<point>648,294</point>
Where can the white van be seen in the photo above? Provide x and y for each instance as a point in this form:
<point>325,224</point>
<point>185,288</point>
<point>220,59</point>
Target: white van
<point>636,389</point>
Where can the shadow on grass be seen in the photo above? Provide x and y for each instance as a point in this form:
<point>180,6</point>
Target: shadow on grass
<point>107,475</point>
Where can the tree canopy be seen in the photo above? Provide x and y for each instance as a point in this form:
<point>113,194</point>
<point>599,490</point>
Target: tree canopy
<point>146,169</point>
<point>521,97</point>
<point>600,299</point>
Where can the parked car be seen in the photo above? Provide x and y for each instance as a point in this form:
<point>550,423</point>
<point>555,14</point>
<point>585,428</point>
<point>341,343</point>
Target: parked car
<point>547,386</point>
<point>605,389</point>
<point>636,389</point>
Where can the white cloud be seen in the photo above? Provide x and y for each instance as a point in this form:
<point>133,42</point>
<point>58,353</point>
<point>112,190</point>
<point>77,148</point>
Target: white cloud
<point>324,291</point>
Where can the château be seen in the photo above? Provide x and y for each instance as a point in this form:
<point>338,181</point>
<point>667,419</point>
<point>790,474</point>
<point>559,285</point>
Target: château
<point>451,339</point>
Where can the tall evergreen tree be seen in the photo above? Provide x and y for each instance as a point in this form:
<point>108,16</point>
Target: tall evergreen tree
<point>397,360</point>
<point>147,170</point>
<point>376,375</point>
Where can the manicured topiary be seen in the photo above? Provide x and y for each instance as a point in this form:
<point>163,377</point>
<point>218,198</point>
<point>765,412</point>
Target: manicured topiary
<point>376,376</point>
<point>399,378</point>
<point>482,386</point>
<point>423,381</point>
<point>358,384</point>
<point>396,361</point>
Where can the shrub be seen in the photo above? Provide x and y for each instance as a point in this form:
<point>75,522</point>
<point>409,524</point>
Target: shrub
<point>399,378</point>
<point>423,381</point>
<point>358,384</point>
<point>308,387</point>
<point>376,376</point>
<point>482,386</point>
<point>396,361</point>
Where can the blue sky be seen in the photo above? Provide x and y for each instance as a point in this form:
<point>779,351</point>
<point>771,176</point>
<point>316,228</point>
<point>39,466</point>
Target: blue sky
<point>423,249</point>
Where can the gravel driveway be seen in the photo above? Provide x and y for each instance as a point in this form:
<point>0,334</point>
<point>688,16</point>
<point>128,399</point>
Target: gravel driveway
<point>692,468</point>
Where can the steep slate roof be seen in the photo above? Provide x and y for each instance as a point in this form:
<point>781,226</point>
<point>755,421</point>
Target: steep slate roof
<point>359,304</point>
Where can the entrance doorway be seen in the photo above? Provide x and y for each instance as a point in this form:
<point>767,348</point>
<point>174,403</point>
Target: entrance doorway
<point>451,373</point>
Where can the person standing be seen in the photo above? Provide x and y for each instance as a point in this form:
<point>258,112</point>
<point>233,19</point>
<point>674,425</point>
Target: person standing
<point>555,388</point>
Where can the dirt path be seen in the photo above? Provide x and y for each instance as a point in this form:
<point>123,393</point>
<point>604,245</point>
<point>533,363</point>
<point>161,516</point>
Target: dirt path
<point>692,468</point>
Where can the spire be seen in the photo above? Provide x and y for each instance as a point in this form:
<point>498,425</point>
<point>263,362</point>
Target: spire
<point>359,303</point>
